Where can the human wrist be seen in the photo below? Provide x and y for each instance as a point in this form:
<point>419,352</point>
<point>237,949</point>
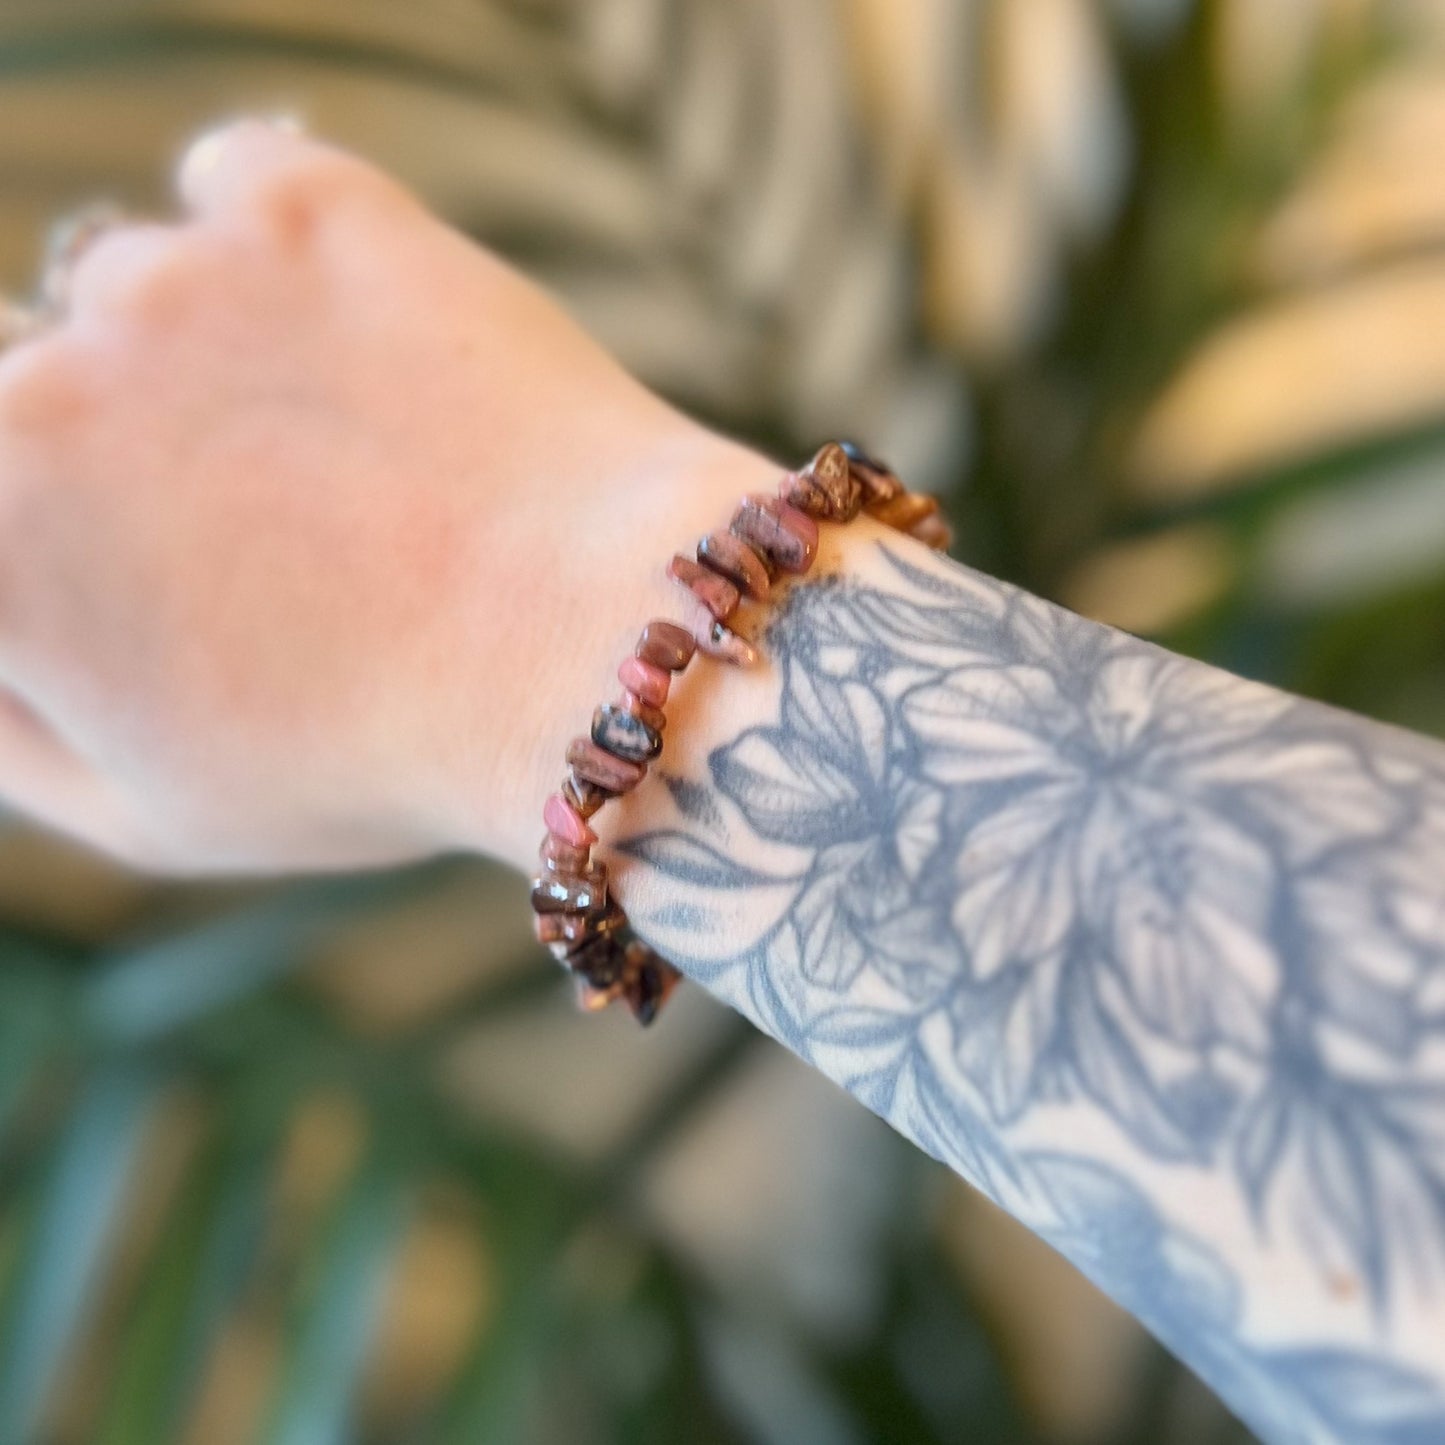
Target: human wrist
<point>571,614</point>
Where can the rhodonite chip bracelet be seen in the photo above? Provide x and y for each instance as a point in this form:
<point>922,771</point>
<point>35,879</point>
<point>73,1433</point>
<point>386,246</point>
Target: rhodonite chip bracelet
<point>576,917</point>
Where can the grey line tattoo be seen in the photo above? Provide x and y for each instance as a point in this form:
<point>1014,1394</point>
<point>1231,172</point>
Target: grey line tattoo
<point>992,860</point>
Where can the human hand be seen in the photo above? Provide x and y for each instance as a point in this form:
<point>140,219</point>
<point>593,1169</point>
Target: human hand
<point>323,528</point>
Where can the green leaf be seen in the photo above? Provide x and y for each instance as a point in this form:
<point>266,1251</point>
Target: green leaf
<point>149,989</point>
<point>201,1263</point>
<point>327,1346</point>
<point>68,1243</point>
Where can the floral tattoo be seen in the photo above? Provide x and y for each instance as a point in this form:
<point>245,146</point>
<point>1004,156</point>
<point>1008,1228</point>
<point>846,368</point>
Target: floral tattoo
<point>992,862</point>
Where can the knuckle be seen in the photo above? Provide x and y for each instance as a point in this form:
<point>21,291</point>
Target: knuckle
<point>46,386</point>
<point>300,198</point>
<point>136,273</point>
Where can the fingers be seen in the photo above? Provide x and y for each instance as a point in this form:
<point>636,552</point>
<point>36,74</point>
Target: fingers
<point>126,271</point>
<point>271,170</point>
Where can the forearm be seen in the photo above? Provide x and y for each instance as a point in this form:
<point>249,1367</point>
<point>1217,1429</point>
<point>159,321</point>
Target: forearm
<point>1151,954</point>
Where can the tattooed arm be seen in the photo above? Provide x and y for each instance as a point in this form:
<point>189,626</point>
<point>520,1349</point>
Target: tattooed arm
<point>1152,955</point>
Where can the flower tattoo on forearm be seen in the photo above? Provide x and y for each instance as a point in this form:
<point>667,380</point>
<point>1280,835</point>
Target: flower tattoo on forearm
<point>991,863</point>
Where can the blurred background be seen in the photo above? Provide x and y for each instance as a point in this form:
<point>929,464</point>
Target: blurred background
<point>1152,291</point>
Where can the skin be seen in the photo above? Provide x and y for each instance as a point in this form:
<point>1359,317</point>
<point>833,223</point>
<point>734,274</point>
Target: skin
<point>327,531</point>
<point>279,471</point>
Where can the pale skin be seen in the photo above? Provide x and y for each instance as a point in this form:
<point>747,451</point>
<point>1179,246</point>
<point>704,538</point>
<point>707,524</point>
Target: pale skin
<point>327,531</point>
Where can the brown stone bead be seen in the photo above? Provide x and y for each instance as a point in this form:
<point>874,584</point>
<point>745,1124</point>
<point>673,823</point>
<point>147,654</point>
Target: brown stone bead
<point>710,588</point>
<point>561,856</point>
<point>607,770</point>
<point>575,929</point>
<point>584,795</point>
<point>799,490</point>
<point>906,510</point>
<point>875,480</point>
<point>732,558</point>
<point>933,531</point>
<point>782,534</point>
<point>624,735</point>
<point>830,470</point>
<point>551,928</point>
<point>665,644</point>
<point>647,981</point>
<point>594,1000</point>
<point>567,893</point>
<point>600,961</point>
<point>725,644</point>
<point>654,717</point>
<point>607,919</point>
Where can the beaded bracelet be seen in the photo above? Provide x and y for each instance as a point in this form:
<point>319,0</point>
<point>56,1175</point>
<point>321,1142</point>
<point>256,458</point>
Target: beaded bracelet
<point>576,917</point>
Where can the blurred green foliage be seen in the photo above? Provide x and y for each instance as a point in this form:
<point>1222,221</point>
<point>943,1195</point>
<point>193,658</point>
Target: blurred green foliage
<point>136,1281</point>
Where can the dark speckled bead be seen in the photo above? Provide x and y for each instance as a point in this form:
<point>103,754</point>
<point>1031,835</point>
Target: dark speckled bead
<point>647,980</point>
<point>575,930</point>
<point>725,644</point>
<point>621,733</point>
<point>584,795</point>
<point>607,770</point>
<point>876,481</point>
<point>783,535</point>
<point>799,490</point>
<point>665,644</point>
<point>732,558</point>
<point>599,961</point>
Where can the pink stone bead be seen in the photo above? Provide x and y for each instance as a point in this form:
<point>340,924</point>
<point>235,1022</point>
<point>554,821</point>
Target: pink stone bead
<point>710,588</point>
<point>731,557</point>
<point>787,537</point>
<point>645,679</point>
<point>566,822</point>
<point>725,645</point>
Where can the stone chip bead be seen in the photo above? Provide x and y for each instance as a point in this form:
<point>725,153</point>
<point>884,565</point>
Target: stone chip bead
<point>565,933</point>
<point>666,645</point>
<point>572,930</point>
<point>566,822</point>
<point>798,489</point>
<point>585,796</point>
<point>600,962</point>
<point>647,981</point>
<point>906,511</point>
<point>785,536</point>
<point>712,589</point>
<point>829,469</point>
<point>731,557</point>
<point>875,480</point>
<point>606,770</point>
<point>654,717</point>
<point>645,680</point>
<point>561,893</point>
<point>724,644</point>
<point>624,734</point>
<point>561,856</point>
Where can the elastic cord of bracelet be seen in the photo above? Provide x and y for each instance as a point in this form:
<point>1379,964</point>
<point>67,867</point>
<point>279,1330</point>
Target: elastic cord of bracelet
<point>575,915</point>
